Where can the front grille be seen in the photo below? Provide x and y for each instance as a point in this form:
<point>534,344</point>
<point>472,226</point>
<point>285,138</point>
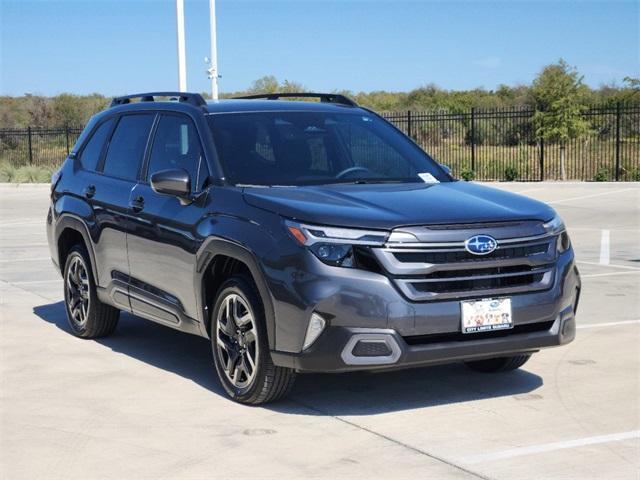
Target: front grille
<point>435,271</point>
<point>464,256</point>
<point>465,337</point>
<point>476,280</point>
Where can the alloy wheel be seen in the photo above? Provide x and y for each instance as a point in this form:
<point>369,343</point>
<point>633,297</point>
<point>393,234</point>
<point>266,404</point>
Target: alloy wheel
<point>237,340</point>
<point>77,291</point>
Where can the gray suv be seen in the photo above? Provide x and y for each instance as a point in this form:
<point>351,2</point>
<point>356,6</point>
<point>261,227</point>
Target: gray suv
<point>301,236</point>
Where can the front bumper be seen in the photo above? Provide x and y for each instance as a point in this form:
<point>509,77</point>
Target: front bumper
<point>358,304</point>
<point>329,352</point>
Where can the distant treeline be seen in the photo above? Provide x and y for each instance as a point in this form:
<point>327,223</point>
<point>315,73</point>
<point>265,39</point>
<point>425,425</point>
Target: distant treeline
<point>74,110</point>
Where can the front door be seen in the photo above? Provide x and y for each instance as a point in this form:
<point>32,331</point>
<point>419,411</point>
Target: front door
<point>163,240</point>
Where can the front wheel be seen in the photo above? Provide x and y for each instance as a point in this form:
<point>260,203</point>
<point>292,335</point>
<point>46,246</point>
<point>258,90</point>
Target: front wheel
<point>240,347</point>
<point>501,364</point>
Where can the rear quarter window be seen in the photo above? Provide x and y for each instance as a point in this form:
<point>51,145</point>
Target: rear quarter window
<point>90,155</point>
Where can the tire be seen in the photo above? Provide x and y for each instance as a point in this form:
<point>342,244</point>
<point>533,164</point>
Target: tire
<point>88,317</point>
<point>501,364</point>
<point>240,348</point>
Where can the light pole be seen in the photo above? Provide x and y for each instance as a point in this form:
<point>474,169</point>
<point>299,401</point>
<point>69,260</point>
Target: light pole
<point>212,71</point>
<point>182,62</point>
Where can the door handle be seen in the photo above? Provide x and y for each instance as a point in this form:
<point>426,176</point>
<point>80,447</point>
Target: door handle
<point>90,191</point>
<point>137,204</point>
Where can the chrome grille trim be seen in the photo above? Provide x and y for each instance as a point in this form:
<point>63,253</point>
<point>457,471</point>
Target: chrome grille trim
<point>516,270</point>
<point>500,241</point>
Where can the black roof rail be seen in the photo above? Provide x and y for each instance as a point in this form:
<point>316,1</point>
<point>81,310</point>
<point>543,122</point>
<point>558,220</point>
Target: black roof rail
<point>191,98</point>
<point>324,97</point>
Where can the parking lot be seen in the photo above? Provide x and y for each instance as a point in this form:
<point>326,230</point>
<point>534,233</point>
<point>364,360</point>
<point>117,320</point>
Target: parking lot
<point>145,402</point>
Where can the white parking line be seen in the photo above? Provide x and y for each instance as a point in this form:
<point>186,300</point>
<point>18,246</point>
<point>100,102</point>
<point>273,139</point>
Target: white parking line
<point>23,224</point>
<point>35,282</point>
<point>627,267</point>
<point>528,190</point>
<point>25,245</point>
<point>20,260</point>
<point>592,195</point>
<point>549,447</point>
<point>604,247</point>
<point>608,324</point>
<point>610,274</point>
<point>590,229</point>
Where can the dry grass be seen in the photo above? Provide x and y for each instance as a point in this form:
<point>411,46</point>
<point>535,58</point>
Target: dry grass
<point>25,174</point>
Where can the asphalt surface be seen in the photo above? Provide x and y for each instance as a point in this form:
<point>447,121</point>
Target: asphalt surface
<point>145,402</point>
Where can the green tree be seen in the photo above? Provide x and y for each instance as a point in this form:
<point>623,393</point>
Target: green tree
<point>632,84</point>
<point>266,84</point>
<point>39,111</point>
<point>559,94</point>
<point>67,110</point>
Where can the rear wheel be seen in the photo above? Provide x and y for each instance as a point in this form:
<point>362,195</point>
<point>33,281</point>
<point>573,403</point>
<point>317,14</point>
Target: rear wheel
<point>501,364</point>
<point>240,348</point>
<point>88,317</point>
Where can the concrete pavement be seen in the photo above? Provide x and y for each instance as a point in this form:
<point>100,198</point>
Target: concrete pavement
<point>145,402</point>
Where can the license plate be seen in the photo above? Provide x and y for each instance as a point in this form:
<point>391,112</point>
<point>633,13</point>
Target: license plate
<point>486,315</point>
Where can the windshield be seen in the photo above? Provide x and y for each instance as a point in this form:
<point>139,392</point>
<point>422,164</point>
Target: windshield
<point>314,148</point>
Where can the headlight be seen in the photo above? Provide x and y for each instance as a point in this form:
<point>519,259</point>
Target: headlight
<point>556,227</point>
<point>334,245</point>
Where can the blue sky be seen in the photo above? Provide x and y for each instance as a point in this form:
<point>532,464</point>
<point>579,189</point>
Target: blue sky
<point>113,47</point>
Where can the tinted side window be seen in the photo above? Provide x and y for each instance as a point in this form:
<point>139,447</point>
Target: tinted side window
<point>177,145</point>
<point>92,150</point>
<point>127,146</point>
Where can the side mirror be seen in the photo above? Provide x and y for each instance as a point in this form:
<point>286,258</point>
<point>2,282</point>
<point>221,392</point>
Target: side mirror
<point>446,168</point>
<point>172,182</point>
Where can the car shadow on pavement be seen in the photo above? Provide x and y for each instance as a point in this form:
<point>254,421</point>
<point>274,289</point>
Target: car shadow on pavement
<point>162,347</point>
<point>359,393</point>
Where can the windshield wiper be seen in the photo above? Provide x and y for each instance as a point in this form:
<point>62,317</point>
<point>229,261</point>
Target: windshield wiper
<point>366,181</point>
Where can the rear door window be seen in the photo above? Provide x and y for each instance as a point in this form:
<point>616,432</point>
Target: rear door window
<point>91,152</point>
<point>127,146</point>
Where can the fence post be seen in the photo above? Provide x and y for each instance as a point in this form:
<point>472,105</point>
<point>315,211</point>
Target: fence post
<point>409,124</point>
<point>618,114</point>
<point>66,131</point>
<point>541,158</point>
<point>30,147</point>
<point>473,138</point>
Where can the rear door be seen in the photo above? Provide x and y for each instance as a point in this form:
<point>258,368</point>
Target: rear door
<point>109,195</point>
<point>163,243</point>
<point>87,178</point>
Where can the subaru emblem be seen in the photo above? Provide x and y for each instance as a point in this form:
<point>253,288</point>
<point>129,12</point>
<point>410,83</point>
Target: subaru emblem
<point>480,244</point>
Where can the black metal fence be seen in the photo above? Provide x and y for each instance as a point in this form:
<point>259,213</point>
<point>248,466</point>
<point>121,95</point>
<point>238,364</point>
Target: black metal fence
<point>502,144</point>
<point>498,144</point>
<point>42,147</point>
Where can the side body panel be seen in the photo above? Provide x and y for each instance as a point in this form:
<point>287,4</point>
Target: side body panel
<point>162,244</point>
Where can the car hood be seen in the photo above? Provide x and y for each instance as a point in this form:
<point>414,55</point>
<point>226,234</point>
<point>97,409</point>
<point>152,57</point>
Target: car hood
<point>387,206</point>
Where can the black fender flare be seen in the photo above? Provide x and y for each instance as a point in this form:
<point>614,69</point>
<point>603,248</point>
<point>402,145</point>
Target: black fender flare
<point>69,221</point>
<point>213,247</point>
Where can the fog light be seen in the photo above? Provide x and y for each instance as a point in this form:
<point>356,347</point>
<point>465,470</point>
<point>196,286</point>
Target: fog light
<point>315,328</point>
